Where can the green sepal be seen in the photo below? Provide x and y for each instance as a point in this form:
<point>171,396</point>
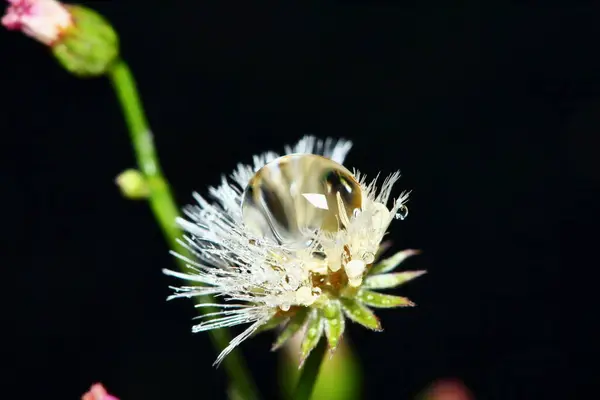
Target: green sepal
<point>392,262</point>
<point>388,281</point>
<point>90,46</point>
<point>314,331</point>
<point>334,324</point>
<point>360,314</point>
<point>379,300</point>
<point>292,327</point>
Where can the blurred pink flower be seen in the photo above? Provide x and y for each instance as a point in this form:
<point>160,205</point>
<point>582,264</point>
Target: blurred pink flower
<point>43,20</point>
<point>97,392</point>
<point>448,389</point>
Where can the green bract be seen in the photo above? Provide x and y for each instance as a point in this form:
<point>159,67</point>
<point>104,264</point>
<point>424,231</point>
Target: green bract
<point>90,46</point>
<point>327,316</point>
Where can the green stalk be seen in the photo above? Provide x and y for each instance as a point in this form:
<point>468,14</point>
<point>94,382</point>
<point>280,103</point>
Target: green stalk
<point>310,372</point>
<point>165,210</point>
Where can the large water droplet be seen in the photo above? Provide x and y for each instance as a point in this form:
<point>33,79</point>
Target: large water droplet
<point>298,192</point>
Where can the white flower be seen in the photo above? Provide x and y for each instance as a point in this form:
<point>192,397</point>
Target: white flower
<point>293,243</point>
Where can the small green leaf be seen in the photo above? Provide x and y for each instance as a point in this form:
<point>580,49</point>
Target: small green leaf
<point>314,331</point>
<point>392,262</point>
<point>296,322</point>
<point>360,314</point>
<point>334,324</point>
<point>379,300</point>
<point>388,281</point>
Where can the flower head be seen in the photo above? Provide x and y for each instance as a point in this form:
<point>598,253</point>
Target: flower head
<point>97,392</point>
<point>43,20</point>
<point>293,241</point>
<point>81,39</point>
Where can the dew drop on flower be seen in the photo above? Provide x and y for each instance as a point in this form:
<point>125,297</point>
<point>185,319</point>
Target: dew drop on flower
<point>297,193</point>
<point>402,212</point>
<point>368,257</point>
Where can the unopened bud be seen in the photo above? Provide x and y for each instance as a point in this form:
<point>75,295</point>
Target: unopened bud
<point>133,184</point>
<point>90,46</point>
<point>98,392</point>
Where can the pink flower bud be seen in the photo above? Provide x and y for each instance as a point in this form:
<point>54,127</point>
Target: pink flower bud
<point>43,20</point>
<point>448,389</point>
<point>81,39</point>
<point>97,392</point>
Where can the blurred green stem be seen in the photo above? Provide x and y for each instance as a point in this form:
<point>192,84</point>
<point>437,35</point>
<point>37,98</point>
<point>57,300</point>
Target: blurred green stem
<point>165,210</point>
<point>310,372</point>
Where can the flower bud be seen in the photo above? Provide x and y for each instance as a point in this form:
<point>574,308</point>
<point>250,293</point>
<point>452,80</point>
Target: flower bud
<point>81,39</point>
<point>133,184</point>
<point>90,46</point>
<point>98,392</point>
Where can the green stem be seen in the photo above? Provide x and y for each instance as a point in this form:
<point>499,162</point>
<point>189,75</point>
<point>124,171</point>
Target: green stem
<point>165,210</point>
<point>310,372</point>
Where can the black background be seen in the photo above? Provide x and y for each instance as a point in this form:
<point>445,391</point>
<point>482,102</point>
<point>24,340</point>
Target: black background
<point>491,112</point>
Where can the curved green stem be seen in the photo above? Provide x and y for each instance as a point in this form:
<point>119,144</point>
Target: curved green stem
<point>310,372</point>
<point>165,210</point>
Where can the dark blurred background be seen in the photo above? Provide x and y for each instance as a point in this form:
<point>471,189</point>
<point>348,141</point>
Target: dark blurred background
<point>491,112</point>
